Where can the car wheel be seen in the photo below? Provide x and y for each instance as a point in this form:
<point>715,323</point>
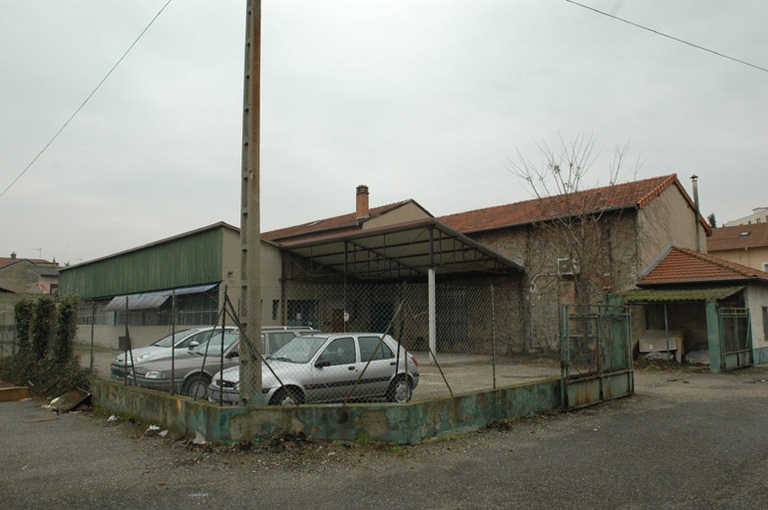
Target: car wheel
<point>399,390</point>
<point>285,397</point>
<point>196,386</point>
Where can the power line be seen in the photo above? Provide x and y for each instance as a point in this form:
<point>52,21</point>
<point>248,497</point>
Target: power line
<point>86,100</point>
<point>669,36</point>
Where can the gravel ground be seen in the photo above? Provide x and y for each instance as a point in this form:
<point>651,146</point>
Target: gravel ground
<point>688,439</point>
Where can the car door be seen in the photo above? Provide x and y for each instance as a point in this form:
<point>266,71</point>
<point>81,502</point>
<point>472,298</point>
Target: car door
<point>376,376</point>
<point>334,371</point>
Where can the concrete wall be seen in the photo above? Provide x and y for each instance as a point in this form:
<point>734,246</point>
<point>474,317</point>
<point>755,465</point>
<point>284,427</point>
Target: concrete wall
<point>270,273</point>
<point>13,277</point>
<point>756,258</point>
<point>408,212</point>
<point>757,300</point>
<point>667,220</point>
<point>405,423</point>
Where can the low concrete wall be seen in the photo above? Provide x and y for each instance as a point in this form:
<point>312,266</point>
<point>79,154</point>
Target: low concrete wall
<point>408,423</point>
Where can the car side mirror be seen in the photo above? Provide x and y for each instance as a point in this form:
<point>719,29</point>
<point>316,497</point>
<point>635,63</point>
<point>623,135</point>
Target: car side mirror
<point>193,344</point>
<point>234,354</point>
<point>323,363</point>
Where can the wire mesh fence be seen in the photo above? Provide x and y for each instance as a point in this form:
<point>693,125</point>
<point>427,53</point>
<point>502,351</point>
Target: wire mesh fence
<point>8,343</point>
<point>360,342</point>
<point>479,339</point>
<point>595,340</point>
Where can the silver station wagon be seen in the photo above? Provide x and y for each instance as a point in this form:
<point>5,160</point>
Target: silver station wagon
<point>189,372</point>
<point>328,367</point>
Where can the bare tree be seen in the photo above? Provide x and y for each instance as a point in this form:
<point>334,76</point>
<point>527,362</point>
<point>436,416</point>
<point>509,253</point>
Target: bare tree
<point>577,227</point>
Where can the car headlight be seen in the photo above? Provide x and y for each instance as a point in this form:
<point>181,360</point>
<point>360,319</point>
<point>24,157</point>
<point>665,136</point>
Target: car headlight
<point>154,374</point>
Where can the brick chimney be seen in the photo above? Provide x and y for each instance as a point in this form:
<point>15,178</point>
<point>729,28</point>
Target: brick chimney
<point>362,211</point>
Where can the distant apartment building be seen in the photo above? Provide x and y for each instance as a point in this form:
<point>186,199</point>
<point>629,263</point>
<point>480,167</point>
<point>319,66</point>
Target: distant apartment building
<point>759,215</point>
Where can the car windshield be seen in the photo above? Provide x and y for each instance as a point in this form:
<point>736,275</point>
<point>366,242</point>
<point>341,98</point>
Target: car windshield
<point>167,341</point>
<point>213,346</point>
<point>299,350</point>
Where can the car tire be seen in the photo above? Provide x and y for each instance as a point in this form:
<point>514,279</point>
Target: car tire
<point>399,390</point>
<point>196,386</point>
<point>286,397</point>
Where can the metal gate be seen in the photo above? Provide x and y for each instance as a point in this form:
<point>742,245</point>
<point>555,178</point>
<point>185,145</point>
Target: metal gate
<point>596,354</point>
<point>736,338</point>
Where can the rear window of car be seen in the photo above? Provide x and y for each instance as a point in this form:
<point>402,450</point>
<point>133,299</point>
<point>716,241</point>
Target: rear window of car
<point>278,339</point>
<point>369,344</point>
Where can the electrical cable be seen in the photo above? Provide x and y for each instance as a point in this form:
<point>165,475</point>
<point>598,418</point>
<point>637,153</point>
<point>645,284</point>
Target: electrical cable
<point>668,36</point>
<point>86,100</point>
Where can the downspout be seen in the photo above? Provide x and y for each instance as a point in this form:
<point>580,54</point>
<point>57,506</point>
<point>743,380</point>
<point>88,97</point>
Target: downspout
<point>694,180</point>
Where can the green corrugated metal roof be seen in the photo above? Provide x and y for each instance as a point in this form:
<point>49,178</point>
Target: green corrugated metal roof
<point>659,295</point>
<point>193,258</point>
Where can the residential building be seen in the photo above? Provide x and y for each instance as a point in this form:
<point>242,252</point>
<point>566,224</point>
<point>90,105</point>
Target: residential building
<point>745,244</point>
<point>578,247</point>
<point>28,276</point>
<point>759,215</point>
<point>21,277</point>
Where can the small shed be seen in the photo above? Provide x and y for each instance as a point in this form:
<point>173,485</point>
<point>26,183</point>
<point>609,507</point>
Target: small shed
<point>717,306</point>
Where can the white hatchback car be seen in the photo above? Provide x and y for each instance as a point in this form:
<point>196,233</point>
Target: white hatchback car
<point>328,367</point>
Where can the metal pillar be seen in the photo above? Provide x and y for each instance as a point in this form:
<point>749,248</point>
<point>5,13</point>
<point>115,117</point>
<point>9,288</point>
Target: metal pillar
<point>250,263</point>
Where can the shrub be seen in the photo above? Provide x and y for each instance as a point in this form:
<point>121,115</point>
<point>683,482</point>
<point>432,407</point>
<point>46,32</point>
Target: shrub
<point>66,329</point>
<point>24,316</point>
<point>43,326</point>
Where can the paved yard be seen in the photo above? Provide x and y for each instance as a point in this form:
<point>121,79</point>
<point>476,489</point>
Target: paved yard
<point>686,440</point>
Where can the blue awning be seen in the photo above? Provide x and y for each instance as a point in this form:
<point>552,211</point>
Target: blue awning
<point>150,300</point>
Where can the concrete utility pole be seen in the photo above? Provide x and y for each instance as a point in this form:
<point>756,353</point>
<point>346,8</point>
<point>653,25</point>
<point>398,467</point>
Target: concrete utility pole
<point>250,232</point>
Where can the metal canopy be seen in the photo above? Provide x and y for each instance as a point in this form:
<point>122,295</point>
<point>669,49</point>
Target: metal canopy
<point>150,300</point>
<point>674,295</point>
<point>398,252</point>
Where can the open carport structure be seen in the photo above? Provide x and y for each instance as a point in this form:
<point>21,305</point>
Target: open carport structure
<point>435,275</point>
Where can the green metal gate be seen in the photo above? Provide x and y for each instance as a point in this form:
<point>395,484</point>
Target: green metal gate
<point>736,338</point>
<point>596,354</point>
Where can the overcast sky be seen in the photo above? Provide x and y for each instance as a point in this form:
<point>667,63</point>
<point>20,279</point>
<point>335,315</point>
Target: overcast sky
<point>421,99</point>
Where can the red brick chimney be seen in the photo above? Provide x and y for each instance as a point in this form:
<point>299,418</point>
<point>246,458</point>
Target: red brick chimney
<point>362,211</point>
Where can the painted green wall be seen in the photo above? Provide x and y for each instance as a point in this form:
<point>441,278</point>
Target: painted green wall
<point>190,260</point>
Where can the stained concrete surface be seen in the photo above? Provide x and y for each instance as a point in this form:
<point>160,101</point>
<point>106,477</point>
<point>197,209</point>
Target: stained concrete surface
<point>686,440</point>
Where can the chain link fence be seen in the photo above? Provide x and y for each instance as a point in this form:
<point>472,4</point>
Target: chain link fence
<point>479,340</point>
<point>8,343</point>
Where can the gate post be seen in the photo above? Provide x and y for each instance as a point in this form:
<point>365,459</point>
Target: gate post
<point>713,336</point>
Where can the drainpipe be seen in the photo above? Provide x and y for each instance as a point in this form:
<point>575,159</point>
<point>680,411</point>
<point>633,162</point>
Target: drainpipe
<point>694,179</point>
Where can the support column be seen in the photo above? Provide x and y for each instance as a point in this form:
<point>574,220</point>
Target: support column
<point>432,311</point>
<point>713,336</point>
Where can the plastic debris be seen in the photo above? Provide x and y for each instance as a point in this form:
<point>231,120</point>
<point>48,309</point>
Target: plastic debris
<point>112,418</point>
<point>199,438</point>
<point>163,433</point>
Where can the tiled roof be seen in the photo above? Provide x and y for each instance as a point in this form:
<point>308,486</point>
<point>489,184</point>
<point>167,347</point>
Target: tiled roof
<point>682,265</point>
<point>346,221</point>
<point>4,261</point>
<point>731,238</point>
<point>618,196</point>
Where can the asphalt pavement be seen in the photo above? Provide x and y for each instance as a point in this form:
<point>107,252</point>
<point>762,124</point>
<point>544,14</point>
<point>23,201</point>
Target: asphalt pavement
<point>686,440</point>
